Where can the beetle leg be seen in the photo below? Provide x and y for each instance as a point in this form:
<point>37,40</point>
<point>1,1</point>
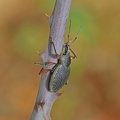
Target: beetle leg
<point>52,42</point>
<point>43,71</point>
<point>74,55</point>
<point>53,46</point>
<point>50,63</point>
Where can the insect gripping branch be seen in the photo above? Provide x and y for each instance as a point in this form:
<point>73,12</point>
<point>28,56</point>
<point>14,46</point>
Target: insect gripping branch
<point>52,77</point>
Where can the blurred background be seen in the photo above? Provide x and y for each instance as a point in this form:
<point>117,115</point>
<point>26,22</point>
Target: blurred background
<point>94,83</point>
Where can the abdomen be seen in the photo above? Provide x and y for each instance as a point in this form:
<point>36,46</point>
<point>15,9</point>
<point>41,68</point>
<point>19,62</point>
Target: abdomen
<point>59,78</point>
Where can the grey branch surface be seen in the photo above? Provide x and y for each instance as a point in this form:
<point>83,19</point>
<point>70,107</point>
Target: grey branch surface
<point>57,21</point>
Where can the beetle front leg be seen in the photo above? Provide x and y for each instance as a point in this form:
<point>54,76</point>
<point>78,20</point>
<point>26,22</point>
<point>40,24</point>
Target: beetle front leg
<point>52,42</point>
<point>74,55</point>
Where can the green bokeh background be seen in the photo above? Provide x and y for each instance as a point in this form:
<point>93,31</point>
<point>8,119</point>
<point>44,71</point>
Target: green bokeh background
<point>94,83</point>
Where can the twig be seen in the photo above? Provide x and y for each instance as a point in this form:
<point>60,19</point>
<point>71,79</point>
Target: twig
<point>57,21</point>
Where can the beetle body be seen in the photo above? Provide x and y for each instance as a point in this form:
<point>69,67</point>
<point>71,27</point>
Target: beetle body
<point>61,71</point>
<point>59,74</point>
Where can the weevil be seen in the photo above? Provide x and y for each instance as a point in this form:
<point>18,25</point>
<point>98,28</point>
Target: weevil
<point>59,74</point>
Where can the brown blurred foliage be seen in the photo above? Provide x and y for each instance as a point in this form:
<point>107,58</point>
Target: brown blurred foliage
<point>93,90</point>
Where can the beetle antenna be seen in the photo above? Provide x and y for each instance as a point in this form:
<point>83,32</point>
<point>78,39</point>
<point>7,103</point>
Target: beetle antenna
<point>69,32</point>
<point>76,35</point>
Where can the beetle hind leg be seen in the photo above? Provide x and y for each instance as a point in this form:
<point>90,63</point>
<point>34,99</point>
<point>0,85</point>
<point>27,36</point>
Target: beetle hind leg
<point>43,71</point>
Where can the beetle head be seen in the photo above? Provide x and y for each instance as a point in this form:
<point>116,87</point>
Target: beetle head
<point>67,49</point>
